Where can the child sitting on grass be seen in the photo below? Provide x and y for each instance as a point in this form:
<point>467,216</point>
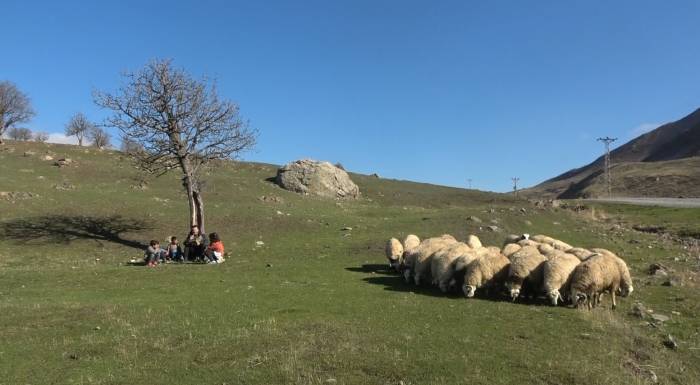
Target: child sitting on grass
<point>153,253</point>
<point>215,252</point>
<point>174,251</point>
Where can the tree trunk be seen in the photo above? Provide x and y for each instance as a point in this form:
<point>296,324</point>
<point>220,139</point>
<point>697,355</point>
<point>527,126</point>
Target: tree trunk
<point>199,209</point>
<point>194,196</point>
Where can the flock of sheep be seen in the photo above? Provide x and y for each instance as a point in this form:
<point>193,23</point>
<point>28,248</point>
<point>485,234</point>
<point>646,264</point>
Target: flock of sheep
<point>526,266</point>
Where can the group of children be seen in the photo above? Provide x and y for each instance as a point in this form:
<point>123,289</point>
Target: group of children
<point>196,249</point>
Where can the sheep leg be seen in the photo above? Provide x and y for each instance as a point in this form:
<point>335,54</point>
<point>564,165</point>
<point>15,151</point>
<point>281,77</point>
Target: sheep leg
<point>614,304</point>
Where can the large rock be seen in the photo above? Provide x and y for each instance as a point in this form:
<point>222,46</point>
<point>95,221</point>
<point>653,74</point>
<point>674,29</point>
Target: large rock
<point>308,176</point>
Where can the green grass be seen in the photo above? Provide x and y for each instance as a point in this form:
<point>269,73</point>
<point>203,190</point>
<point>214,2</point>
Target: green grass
<point>310,305</point>
<point>682,222</point>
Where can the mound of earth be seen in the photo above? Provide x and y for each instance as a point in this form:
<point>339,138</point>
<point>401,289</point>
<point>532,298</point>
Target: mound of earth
<point>307,176</point>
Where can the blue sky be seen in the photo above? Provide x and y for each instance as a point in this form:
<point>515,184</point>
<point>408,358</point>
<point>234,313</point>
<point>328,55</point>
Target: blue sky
<point>434,91</point>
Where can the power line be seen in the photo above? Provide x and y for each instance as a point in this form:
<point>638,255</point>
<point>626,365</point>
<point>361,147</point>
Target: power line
<point>469,182</point>
<point>608,180</point>
<point>515,185</point>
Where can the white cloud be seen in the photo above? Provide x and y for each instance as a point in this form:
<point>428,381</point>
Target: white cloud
<point>644,128</point>
<point>62,139</point>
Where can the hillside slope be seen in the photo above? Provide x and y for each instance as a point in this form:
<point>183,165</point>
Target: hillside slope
<point>669,153</point>
<point>302,299</point>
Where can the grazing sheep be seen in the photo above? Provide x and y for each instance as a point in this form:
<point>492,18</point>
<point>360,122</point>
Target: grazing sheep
<point>592,277</point>
<point>487,272</point>
<point>510,248</point>
<point>474,242</point>
<point>394,253</point>
<point>411,241</point>
<point>445,261</point>
<point>539,238</point>
<point>417,260</point>
<point>557,244</point>
<point>525,272</point>
<point>580,253</point>
<point>556,275</point>
<point>546,249</point>
<point>626,287</point>
<point>528,242</point>
<point>600,273</point>
<point>560,245</point>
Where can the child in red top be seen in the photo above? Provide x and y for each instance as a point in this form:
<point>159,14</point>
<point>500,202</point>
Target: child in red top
<point>215,251</point>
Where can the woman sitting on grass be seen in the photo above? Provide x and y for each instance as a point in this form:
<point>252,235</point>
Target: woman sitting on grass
<point>215,251</point>
<point>195,245</point>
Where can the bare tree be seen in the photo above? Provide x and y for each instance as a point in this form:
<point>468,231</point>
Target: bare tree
<point>41,136</point>
<point>80,127</point>
<point>99,137</point>
<point>130,146</point>
<point>15,107</point>
<point>20,134</point>
<point>181,124</point>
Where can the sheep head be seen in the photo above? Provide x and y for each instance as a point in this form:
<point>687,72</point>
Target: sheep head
<point>514,289</point>
<point>469,290</point>
<point>555,297</point>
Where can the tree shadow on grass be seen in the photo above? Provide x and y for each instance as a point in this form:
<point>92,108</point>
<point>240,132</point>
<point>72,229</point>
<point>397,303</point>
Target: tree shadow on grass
<point>64,229</point>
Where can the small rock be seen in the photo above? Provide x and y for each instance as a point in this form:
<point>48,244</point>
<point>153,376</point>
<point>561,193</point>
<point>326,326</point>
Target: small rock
<point>672,282</point>
<point>268,265</point>
<point>523,210</point>
<point>638,310</point>
<point>474,219</point>
<point>675,313</point>
<point>556,223</point>
<point>331,381</point>
<point>97,328</point>
<point>346,229</point>
<point>259,243</point>
<point>279,212</point>
<point>670,342</point>
<point>493,228</point>
<point>658,269</point>
<point>660,317</point>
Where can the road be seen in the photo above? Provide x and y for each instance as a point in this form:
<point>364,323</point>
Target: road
<point>663,202</point>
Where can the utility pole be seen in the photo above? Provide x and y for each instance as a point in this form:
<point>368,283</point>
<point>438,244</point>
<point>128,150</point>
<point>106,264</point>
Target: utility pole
<point>469,181</point>
<point>608,180</point>
<point>515,185</point>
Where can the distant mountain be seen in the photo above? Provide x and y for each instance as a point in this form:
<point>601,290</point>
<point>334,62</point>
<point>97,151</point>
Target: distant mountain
<point>663,162</point>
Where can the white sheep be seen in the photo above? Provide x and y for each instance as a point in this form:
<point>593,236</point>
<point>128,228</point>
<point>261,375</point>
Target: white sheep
<point>445,262</point>
<point>556,275</point>
<point>525,272</point>
<point>474,242</point>
<point>486,272</point>
<point>546,249</point>
<point>626,287</point>
<point>394,253</point>
<point>512,238</point>
<point>417,260</point>
<point>557,244</point>
<point>510,248</point>
<point>580,253</point>
<point>410,242</point>
<point>540,238</point>
<point>603,272</point>
<point>528,242</point>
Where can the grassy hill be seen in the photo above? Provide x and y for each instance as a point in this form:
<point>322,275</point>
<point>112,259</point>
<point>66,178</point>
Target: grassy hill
<point>314,304</point>
<point>660,163</point>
